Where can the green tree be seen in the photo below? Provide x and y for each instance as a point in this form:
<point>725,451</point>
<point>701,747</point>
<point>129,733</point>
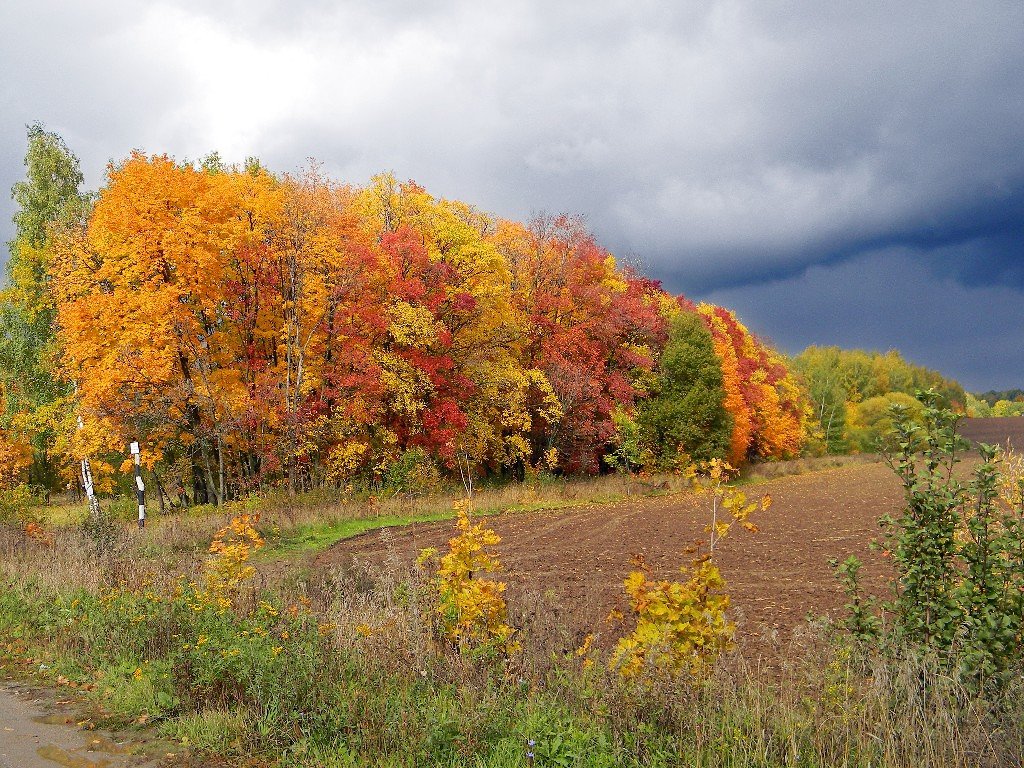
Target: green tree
<point>48,199</point>
<point>871,421</point>
<point>685,411</point>
<point>977,408</point>
<point>1007,408</point>
<point>827,384</point>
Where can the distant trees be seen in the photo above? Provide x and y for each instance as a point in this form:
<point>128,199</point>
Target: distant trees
<point>1008,403</point>
<point>1008,408</point>
<point>992,396</point>
<point>851,389</point>
<point>871,421</point>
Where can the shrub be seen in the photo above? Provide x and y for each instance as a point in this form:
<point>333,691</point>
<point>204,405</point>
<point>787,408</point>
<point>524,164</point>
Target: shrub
<point>16,503</point>
<point>681,625</point>
<point>472,609</point>
<point>412,472</point>
<point>228,566</point>
<point>957,551</point>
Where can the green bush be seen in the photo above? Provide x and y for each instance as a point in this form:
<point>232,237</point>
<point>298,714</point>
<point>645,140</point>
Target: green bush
<point>412,472</point>
<point>958,553</point>
<point>17,505</point>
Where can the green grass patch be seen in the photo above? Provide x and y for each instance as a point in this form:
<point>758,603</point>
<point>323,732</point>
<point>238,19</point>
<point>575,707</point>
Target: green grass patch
<point>310,538</point>
<point>316,537</point>
<point>63,515</point>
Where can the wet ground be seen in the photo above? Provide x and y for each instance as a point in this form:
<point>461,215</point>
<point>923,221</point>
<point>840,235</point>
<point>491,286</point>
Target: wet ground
<point>36,732</point>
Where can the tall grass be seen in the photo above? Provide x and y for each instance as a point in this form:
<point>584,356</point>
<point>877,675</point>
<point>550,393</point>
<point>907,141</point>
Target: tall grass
<point>313,667</point>
<point>344,668</point>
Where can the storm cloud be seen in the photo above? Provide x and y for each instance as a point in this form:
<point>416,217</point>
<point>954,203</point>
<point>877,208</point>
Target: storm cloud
<point>744,151</point>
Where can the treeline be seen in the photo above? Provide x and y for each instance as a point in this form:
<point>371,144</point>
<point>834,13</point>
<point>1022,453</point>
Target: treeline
<point>1011,395</point>
<point>1008,403</point>
<point>853,392</point>
<point>253,329</point>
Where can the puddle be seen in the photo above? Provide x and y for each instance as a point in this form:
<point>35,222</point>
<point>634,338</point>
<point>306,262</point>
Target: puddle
<point>54,720</point>
<point>99,743</point>
<point>68,760</point>
<point>94,743</point>
<point>57,739</point>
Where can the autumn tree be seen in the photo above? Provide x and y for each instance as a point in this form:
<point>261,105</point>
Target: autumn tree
<point>592,329</point>
<point>15,456</point>
<point>452,379</point>
<point>768,406</point>
<point>48,200</point>
<point>142,316</point>
<point>323,291</point>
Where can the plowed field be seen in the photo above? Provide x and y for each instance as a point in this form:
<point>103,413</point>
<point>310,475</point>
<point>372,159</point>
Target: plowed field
<point>997,431</point>
<point>579,557</point>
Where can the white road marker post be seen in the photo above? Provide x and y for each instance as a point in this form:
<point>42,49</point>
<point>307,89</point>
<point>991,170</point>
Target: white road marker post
<point>140,487</point>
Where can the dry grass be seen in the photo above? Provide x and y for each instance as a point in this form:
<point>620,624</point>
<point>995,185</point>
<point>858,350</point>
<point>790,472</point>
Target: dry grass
<point>827,704</point>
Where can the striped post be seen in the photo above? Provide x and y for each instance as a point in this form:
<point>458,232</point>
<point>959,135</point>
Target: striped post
<point>90,487</point>
<point>140,487</point>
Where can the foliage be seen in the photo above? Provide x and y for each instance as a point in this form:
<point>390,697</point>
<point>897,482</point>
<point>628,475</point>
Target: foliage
<point>684,413</point>
<point>472,608</point>
<point>839,381</point>
<point>1007,408</point>
<point>228,566</point>
<point>412,472</point>
<point>870,423</point>
<point>16,502</point>
<point>957,549</point>
<point>861,375</point>
<point>770,411</point>
<point>861,620</point>
<point>253,330</point>
<point>629,451</point>
<point>682,626</point>
<point>48,202</point>
<point>976,408</point>
<point>712,479</point>
<point>992,397</point>
<point>592,329</point>
<point>15,458</point>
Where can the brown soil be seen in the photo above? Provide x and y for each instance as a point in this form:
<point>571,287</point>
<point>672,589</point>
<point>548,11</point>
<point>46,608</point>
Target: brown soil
<point>579,557</point>
<point>995,431</point>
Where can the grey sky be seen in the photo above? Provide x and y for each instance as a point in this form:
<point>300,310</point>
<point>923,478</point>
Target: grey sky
<point>795,160</point>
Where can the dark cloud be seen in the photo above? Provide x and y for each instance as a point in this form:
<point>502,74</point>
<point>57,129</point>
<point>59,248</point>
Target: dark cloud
<point>893,299</point>
<point>724,144</point>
